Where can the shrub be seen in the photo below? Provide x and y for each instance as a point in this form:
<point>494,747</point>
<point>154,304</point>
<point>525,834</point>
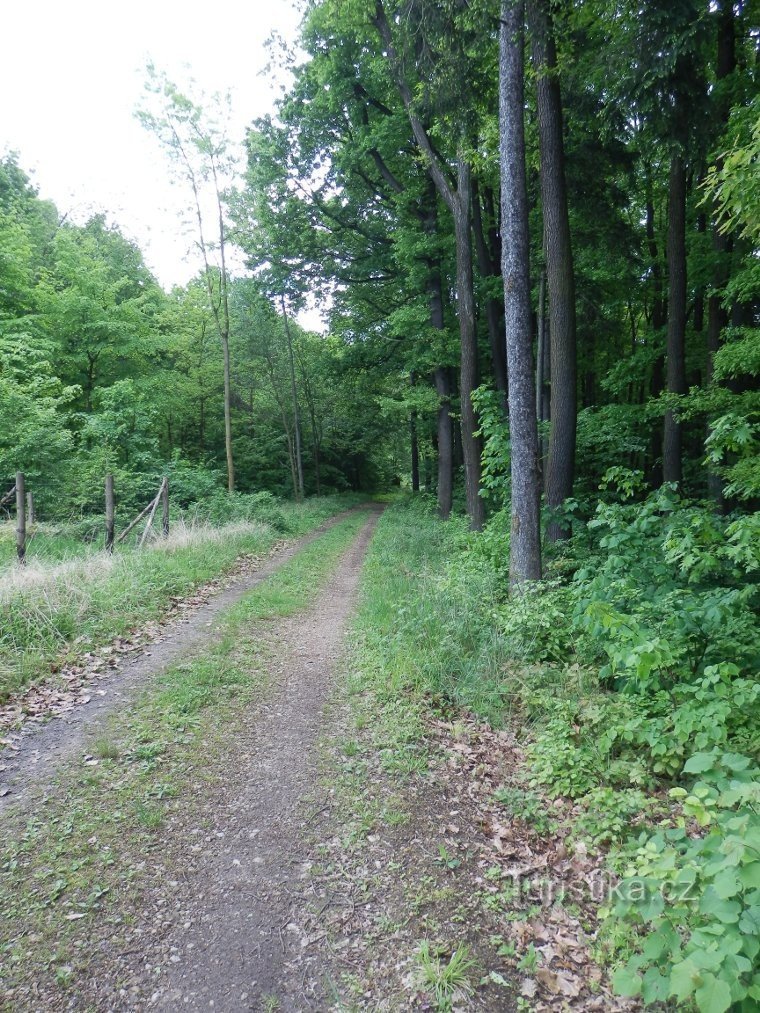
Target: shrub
<point>697,896</point>
<point>223,507</point>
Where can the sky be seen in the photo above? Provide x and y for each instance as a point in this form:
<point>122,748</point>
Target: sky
<point>72,75</point>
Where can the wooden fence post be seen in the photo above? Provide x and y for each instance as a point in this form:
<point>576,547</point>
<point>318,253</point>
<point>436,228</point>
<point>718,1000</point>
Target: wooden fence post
<point>110,513</point>
<point>165,507</point>
<point>20,518</point>
<point>152,514</point>
<point>30,515</point>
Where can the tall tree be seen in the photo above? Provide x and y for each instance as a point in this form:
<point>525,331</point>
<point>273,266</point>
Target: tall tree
<point>722,241</point>
<point>525,536</point>
<point>672,469</point>
<point>457,195</point>
<point>294,395</point>
<point>560,467</point>
<point>199,151</point>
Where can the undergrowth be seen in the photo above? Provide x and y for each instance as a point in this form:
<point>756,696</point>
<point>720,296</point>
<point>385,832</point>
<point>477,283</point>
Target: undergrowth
<point>631,673</point>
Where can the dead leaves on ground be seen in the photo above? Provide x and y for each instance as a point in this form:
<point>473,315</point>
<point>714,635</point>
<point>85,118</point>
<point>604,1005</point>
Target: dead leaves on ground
<point>550,889</point>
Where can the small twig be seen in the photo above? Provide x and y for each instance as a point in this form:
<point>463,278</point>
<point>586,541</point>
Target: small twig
<point>316,813</point>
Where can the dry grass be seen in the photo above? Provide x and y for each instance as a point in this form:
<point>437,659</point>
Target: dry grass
<point>48,608</point>
<point>70,576</point>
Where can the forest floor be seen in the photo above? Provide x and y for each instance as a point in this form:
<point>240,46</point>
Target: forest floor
<point>256,829</point>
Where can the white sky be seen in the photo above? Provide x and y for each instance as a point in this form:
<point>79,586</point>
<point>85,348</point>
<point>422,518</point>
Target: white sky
<point>72,74</point>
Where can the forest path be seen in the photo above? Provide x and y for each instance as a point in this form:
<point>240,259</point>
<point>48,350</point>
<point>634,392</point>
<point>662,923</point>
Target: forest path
<point>223,927</point>
<point>30,762</point>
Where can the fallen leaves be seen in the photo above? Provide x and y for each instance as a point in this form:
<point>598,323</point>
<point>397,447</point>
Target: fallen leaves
<point>552,890</point>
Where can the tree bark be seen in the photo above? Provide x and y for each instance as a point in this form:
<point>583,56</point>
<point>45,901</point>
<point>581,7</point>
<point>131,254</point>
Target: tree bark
<point>110,513</point>
<point>414,443</point>
<point>165,508</point>
<point>717,317</point>
<point>676,338</point>
<point>658,318</point>
<point>20,518</point>
<point>294,394</point>
<point>445,429</point>
<point>543,370</point>
<point>415,452</point>
<point>494,307</point>
<point>444,421</point>
<point>560,276</point>
<point>468,371</point>
<point>525,540</point>
<point>311,408</point>
<point>228,414</point>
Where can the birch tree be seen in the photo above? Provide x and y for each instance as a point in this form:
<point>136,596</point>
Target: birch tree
<point>200,156</point>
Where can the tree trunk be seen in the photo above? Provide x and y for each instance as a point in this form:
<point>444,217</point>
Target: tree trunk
<point>468,336</point>
<point>315,437</point>
<point>658,318</point>
<point>444,421</point>
<point>294,394</point>
<point>228,414</point>
<point>494,307</point>
<point>414,444</point>
<point>717,317</point>
<point>676,338</point>
<point>457,199</point>
<point>415,452</point>
<point>20,518</point>
<point>543,369</point>
<point>445,428</point>
<point>110,513</point>
<point>525,540</point>
<point>560,468</point>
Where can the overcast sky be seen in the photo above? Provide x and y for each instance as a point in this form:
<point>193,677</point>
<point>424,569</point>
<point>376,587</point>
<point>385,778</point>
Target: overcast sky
<point>72,74</point>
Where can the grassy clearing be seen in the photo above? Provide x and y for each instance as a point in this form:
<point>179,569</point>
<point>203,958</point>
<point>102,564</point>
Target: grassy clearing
<point>45,543</point>
<point>51,611</point>
<point>71,875</point>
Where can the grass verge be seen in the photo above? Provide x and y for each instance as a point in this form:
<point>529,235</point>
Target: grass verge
<point>397,842</point>
<point>50,613</point>
<point>71,876</point>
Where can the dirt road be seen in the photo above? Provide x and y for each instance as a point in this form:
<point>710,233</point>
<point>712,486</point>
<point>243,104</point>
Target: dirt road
<point>29,764</point>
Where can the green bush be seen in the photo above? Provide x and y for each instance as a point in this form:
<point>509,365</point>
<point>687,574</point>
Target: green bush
<point>696,896</point>
<point>224,507</point>
<point>536,624</point>
<point>607,814</point>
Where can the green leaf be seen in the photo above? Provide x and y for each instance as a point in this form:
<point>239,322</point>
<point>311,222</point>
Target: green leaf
<point>749,923</point>
<point>749,876</point>
<point>714,996</point>
<point>726,884</point>
<point>684,978</point>
<point>626,982</point>
<point>727,911</point>
<point>664,940</point>
<point>699,763</point>
<point>735,761</point>
<point>654,987</point>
